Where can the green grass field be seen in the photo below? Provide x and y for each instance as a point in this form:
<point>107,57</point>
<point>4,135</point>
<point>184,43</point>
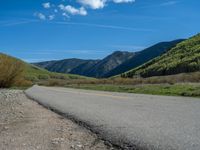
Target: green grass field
<point>184,89</point>
<point>174,85</point>
<point>36,74</point>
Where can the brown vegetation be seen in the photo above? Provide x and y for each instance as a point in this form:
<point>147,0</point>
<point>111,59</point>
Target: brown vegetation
<point>172,79</point>
<point>10,71</point>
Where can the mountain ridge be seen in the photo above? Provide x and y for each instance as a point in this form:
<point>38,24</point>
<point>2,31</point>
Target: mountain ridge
<point>90,68</point>
<point>116,63</point>
<point>144,56</point>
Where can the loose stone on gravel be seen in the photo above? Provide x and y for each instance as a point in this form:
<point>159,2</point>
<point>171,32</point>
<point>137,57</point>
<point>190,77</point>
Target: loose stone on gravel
<point>24,125</point>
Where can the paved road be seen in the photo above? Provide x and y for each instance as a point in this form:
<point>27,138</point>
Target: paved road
<point>131,121</point>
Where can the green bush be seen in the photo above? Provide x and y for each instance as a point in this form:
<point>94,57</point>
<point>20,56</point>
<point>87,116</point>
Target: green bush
<point>43,76</point>
<point>32,78</point>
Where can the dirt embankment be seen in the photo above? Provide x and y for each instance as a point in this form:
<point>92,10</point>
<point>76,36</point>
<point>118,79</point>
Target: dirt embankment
<point>24,124</point>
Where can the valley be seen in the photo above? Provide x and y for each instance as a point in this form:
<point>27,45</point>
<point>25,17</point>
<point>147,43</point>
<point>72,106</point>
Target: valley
<point>116,63</point>
<point>99,75</point>
<point>164,74</point>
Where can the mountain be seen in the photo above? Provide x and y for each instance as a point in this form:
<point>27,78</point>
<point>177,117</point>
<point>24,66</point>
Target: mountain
<point>84,68</point>
<point>90,68</point>
<point>143,56</point>
<point>45,64</point>
<point>114,64</point>
<point>107,64</point>
<point>61,66</point>
<point>183,58</point>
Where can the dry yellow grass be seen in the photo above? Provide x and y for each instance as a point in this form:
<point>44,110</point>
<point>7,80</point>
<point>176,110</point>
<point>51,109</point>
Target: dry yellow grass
<point>11,71</point>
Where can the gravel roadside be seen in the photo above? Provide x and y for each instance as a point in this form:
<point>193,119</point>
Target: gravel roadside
<point>24,124</point>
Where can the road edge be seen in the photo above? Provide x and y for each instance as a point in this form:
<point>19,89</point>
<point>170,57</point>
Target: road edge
<point>110,144</point>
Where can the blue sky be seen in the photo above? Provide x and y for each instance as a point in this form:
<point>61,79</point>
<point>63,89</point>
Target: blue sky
<point>37,30</point>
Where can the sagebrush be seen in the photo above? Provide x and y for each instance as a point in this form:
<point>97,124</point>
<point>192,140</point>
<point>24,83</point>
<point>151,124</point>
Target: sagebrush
<point>11,71</point>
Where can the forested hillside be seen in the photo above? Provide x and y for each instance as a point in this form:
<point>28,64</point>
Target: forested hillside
<point>143,56</point>
<point>183,58</point>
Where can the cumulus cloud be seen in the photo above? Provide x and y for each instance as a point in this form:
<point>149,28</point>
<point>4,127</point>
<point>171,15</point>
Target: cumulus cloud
<point>72,10</point>
<point>94,4</point>
<point>68,10</point>
<point>41,16</point>
<point>65,15</point>
<point>46,5</point>
<point>51,17</point>
<point>98,4</point>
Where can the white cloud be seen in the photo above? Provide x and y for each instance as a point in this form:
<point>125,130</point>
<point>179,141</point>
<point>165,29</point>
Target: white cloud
<point>61,6</point>
<point>65,15</point>
<point>98,4</point>
<point>94,4</point>
<point>51,17</point>
<point>72,10</point>
<point>67,10</point>
<point>46,5</point>
<point>41,16</point>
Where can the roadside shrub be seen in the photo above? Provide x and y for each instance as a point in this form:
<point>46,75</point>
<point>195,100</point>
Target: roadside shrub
<point>23,83</point>
<point>32,78</point>
<point>43,77</point>
<point>54,82</point>
<point>55,76</point>
<point>10,71</point>
<point>73,77</point>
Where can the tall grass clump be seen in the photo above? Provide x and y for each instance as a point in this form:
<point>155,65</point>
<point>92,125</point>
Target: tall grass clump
<point>11,71</point>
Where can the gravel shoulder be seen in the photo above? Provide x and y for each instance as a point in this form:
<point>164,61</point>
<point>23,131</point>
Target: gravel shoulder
<point>24,124</point>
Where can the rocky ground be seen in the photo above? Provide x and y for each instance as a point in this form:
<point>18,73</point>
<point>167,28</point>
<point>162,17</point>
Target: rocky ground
<point>26,125</point>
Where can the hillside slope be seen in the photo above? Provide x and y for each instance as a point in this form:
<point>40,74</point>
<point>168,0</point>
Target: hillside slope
<point>143,57</point>
<point>61,66</point>
<point>109,63</point>
<point>183,58</point>
<point>114,64</point>
<point>45,64</point>
<point>90,68</point>
<point>84,68</point>
<point>15,71</point>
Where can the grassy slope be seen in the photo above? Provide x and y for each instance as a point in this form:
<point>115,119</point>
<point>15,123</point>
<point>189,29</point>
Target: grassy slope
<point>143,56</point>
<point>32,74</point>
<point>185,57</point>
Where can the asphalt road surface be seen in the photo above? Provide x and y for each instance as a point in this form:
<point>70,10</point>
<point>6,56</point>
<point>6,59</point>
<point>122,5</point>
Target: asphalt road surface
<point>130,121</point>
